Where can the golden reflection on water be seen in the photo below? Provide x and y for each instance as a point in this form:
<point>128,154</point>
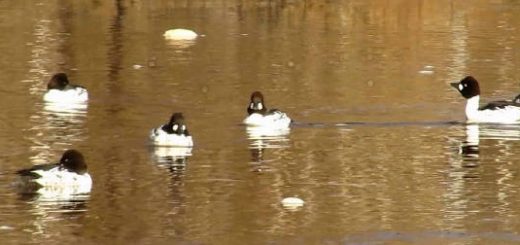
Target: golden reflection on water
<point>48,214</point>
<point>373,63</point>
<point>466,171</point>
<point>55,128</point>
<point>261,141</point>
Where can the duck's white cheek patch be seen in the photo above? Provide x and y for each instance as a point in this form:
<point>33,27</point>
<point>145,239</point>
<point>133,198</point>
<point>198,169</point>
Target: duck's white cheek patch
<point>175,127</point>
<point>260,106</point>
<point>183,128</point>
<point>461,87</point>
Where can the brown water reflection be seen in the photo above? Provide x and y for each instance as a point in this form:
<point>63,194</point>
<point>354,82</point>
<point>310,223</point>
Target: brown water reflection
<point>374,152</point>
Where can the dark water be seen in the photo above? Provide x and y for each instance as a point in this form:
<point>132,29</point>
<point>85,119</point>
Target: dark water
<point>379,151</point>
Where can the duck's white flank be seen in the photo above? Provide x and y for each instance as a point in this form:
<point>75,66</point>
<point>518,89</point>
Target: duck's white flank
<point>72,95</point>
<point>508,114</point>
<point>161,138</point>
<point>275,119</point>
<point>57,178</point>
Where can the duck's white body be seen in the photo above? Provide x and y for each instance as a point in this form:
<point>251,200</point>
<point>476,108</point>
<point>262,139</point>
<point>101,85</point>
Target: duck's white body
<point>71,95</point>
<point>57,177</point>
<point>275,120</point>
<point>509,114</point>
<point>57,181</point>
<point>161,138</point>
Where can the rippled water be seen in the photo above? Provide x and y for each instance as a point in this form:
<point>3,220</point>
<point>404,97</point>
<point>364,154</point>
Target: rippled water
<point>379,150</point>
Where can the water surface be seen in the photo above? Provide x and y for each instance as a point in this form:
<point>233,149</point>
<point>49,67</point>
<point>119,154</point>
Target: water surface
<point>379,151</point>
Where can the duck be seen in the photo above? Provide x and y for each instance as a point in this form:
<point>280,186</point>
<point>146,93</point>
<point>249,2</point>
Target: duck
<point>260,116</point>
<point>516,99</point>
<point>60,90</point>
<point>69,173</point>
<point>174,133</point>
<point>501,112</point>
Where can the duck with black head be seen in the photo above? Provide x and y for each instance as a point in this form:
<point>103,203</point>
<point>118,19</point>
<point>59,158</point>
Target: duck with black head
<point>60,90</point>
<point>260,116</point>
<point>174,133</point>
<point>503,111</point>
<point>69,173</point>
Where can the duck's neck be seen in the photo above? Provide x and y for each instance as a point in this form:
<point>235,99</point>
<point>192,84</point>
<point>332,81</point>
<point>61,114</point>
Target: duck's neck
<point>472,105</point>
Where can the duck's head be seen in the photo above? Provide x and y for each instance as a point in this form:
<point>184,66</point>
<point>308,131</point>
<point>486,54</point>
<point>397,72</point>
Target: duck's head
<point>468,87</point>
<point>256,104</point>
<point>176,125</point>
<point>58,81</point>
<point>73,161</point>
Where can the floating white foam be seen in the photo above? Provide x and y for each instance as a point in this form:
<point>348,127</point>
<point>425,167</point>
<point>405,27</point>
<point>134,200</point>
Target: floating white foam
<point>292,203</point>
<point>425,72</point>
<point>180,34</point>
<point>6,227</point>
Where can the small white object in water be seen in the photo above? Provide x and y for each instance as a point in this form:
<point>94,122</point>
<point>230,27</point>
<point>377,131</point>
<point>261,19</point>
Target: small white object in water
<point>292,202</point>
<point>6,227</point>
<point>425,72</point>
<point>180,34</point>
<point>137,67</point>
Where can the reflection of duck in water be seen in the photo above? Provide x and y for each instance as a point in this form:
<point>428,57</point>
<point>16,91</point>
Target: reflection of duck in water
<point>470,147</point>
<point>475,132</point>
<point>174,159</point>
<point>55,126</point>
<point>259,116</point>
<point>171,155</point>
<point>65,109</point>
<point>267,138</point>
<point>62,180</point>
<point>257,154</point>
<point>262,138</point>
<point>177,166</point>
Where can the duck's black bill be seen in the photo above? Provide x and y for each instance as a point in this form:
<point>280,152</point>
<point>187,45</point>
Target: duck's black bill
<point>455,85</point>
